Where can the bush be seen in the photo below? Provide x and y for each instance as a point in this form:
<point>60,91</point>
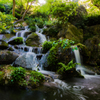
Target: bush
<point>47,45</point>
<point>36,78</point>
<point>62,10</point>
<point>18,74</point>
<point>6,21</point>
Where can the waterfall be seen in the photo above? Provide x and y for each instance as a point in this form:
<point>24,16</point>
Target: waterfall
<point>39,33</point>
<point>29,56</point>
<point>80,68</point>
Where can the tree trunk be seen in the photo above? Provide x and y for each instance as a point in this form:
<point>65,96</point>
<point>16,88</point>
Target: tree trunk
<point>13,12</point>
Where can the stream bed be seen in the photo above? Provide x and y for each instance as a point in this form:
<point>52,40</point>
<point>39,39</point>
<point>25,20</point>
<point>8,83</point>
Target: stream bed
<point>71,89</point>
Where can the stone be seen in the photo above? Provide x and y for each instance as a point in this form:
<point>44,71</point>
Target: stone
<point>15,41</point>
<point>3,45</point>
<point>71,32</point>
<point>7,57</point>
<point>33,40</point>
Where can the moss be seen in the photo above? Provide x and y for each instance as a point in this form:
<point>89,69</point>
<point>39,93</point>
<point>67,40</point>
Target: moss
<point>1,77</point>
<point>18,40</point>
<point>18,76</point>
<point>3,45</point>
<point>33,40</point>
<point>60,52</point>
<point>69,31</point>
<point>47,45</point>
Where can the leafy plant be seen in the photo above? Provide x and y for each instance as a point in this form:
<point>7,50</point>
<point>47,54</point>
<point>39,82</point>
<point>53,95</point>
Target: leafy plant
<point>62,10</point>
<point>35,78</point>
<point>18,74</point>
<point>6,21</point>
<point>66,67</point>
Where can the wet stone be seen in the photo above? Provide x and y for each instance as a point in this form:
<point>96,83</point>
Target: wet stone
<point>26,49</point>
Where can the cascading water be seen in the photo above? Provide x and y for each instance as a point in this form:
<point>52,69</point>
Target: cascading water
<point>27,50</point>
<point>80,68</point>
<point>39,33</point>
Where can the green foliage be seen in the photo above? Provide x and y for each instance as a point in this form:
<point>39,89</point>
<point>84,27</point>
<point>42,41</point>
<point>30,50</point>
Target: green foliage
<point>18,74</point>
<point>1,76</point>
<point>37,75</point>
<point>62,10</point>
<point>47,45</point>
<point>18,40</point>
<point>58,47</point>
<point>63,43</point>
<point>64,67</point>
<point>6,21</point>
<point>36,78</point>
<point>96,3</point>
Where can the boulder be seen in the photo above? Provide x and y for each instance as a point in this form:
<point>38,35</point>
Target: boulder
<point>7,57</point>
<point>27,60</point>
<point>3,45</point>
<point>33,40</point>
<point>84,53</point>
<point>94,48</point>
<point>71,32</point>
<point>17,40</point>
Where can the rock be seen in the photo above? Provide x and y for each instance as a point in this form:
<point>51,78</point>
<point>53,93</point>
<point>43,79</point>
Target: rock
<point>72,33</point>
<point>7,57</point>
<point>57,55</point>
<point>84,52</point>
<point>3,45</point>
<point>18,40</point>
<point>51,31</point>
<point>78,18</point>
<point>27,60</point>
<point>94,48</point>
<point>33,40</point>
<point>26,49</point>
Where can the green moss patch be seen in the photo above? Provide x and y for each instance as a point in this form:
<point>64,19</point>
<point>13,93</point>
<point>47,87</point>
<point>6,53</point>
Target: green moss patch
<point>33,40</point>
<point>18,76</point>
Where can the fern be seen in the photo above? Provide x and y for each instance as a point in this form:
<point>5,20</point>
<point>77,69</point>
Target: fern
<point>64,67</point>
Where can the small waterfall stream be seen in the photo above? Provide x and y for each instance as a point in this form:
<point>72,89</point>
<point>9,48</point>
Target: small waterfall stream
<point>83,70</point>
<point>27,51</point>
<point>39,33</point>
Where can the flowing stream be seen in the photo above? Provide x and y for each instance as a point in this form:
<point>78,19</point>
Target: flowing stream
<point>87,88</point>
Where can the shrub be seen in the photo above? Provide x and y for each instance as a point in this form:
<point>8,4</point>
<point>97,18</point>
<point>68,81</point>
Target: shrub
<point>6,21</point>
<point>18,74</point>
<point>36,78</point>
<point>47,45</point>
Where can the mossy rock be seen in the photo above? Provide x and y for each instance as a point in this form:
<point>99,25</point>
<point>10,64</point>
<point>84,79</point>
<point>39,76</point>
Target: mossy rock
<point>58,54</point>
<point>33,40</point>
<point>84,52</point>
<point>71,32</point>
<point>20,77</point>
<point>94,48</point>
<point>7,57</point>
<point>3,45</point>
<point>18,40</point>
<point>51,31</point>
<point>90,31</point>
